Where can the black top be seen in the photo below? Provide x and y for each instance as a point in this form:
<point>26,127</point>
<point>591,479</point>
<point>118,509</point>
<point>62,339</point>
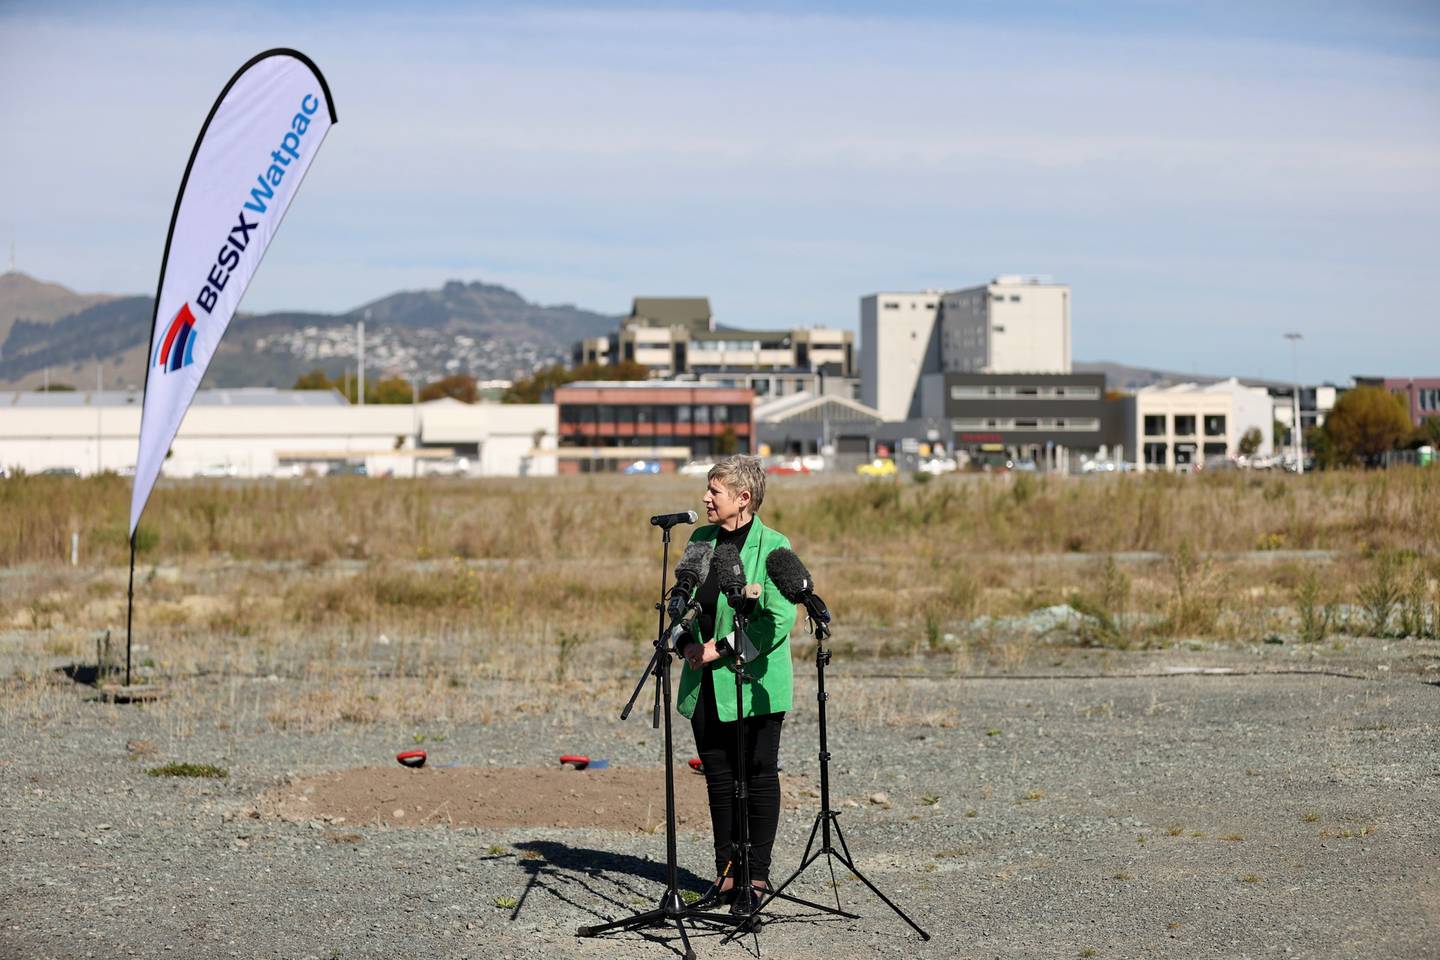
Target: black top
<point>708,593</point>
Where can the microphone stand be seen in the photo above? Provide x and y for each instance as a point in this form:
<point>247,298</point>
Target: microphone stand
<point>828,818</point>
<point>671,908</point>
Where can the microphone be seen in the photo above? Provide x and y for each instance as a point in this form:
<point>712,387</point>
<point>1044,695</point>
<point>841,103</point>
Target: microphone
<point>690,572</point>
<point>729,573</point>
<point>679,636</point>
<point>795,583</point>
<point>667,520</point>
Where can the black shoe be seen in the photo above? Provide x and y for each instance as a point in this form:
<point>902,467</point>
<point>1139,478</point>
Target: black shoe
<point>746,901</point>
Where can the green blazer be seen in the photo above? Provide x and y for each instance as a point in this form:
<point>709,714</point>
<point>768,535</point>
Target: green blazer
<point>768,629</point>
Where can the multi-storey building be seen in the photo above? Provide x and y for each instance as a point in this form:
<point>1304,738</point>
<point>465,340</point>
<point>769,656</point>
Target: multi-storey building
<point>1181,427</point>
<point>899,344</point>
<point>676,337</point>
<point>1010,325</point>
<point>605,426</point>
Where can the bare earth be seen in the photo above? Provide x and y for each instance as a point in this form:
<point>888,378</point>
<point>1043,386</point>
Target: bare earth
<point>1076,804</point>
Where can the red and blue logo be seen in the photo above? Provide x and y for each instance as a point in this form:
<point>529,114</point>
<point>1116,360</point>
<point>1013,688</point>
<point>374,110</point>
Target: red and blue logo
<point>178,348</point>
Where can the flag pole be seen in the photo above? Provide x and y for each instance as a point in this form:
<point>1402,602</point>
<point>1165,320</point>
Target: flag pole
<point>130,608</point>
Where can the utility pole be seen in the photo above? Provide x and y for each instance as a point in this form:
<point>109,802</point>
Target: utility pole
<point>1297,434</point>
<point>99,432</point>
<point>360,378</point>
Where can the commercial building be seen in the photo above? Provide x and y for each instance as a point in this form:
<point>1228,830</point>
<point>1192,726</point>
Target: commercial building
<point>1043,417</point>
<point>841,428</point>
<point>1011,325</point>
<point>263,432</point>
<point>899,344</point>
<point>606,426</point>
<point>676,337</point>
<point>1181,427</point>
<point>1315,405</point>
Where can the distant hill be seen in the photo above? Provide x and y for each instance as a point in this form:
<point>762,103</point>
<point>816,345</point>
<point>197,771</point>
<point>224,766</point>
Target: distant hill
<point>1119,376</point>
<point>23,297</point>
<point>482,329</point>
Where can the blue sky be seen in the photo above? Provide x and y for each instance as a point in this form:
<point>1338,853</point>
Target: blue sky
<point>1205,176</point>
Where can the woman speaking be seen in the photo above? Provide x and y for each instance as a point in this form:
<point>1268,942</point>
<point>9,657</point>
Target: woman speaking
<point>734,491</point>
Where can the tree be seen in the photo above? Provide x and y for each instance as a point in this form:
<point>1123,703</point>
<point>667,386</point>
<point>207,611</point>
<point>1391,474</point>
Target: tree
<point>1366,423</point>
<point>1250,442</point>
<point>1427,433</point>
<point>459,387</point>
<point>314,380</point>
<point>533,388</point>
<point>390,390</point>
<point>1319,445</point>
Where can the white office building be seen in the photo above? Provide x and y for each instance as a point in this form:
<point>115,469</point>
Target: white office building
<point>1011,325</point>
<point>1182,427</point>
<point>262,432</point>
<point>899,344</point>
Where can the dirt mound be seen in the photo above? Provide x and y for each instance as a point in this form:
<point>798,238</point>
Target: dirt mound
<point>612,799</point>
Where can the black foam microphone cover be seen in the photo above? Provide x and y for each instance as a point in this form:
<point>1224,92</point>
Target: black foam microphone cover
<point>729,573</point>
<point>694,565</point>
<point>690,572</point>
<point>789,575</point>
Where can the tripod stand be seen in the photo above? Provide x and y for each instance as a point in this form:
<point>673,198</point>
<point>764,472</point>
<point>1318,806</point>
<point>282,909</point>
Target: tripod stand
<point>827,820</point>
<point>671,908</point>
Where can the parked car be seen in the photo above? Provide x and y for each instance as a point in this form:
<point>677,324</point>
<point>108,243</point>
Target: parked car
<point>877,468</point>
<point>218,471</point>
<point>696,468</point>
<point>1022,466</point>
<point>794,465</point>
<point>938,465</point>
<point>813,462</point>
<point>642,466</point>
<point>59,472</point>
<point>446,467</point>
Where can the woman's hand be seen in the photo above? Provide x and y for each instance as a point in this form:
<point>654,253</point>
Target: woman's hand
<point>699,654</point>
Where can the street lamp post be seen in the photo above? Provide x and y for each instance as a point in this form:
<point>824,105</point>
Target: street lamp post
<point>1297,433</point>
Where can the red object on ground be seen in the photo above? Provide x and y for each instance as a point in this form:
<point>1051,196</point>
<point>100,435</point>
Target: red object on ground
<point>579,762</point>
<point>697,765</point>
<point>411,758</point>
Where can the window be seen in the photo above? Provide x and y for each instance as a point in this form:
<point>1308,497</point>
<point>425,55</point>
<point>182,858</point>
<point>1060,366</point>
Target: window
<point>890,305</point>
<point>1214,425</point>
<point>999,328</point>
<point>739,414</point>
<point>929,306</point>
<point>1155,454</point>
<point>720,414</point>
<point>1154,425</point>
<point>702,414</point>
<point>642,415</point>
<point>682,413</point>
<point>1014,298</point>
<point>1184,425</point>
<point>625,415</point>
<point>1213,450</point>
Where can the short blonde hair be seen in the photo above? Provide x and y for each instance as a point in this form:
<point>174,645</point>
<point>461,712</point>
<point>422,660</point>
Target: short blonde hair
<point>741,473</point>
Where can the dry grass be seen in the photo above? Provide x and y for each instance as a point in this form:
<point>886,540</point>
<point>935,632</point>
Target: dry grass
<point>543,588</point>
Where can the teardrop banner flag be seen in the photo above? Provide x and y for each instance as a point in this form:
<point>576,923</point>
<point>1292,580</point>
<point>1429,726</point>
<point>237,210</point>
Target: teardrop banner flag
<point>252,152</point>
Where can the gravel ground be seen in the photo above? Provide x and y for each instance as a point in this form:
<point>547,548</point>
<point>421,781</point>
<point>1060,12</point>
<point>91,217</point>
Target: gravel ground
<point>1084,804</point>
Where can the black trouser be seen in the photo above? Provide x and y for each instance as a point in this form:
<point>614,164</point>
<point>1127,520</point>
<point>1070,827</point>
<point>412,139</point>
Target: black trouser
<point>715,742</point>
